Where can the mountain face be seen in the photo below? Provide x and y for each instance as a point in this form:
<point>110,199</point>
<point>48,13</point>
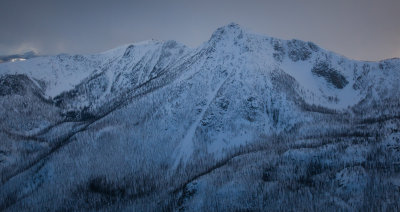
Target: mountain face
<point>243,122</point>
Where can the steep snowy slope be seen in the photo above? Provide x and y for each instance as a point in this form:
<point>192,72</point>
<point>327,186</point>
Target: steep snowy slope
<point>159,126</point>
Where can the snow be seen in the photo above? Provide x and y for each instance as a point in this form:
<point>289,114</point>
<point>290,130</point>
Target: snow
<point>318,89</point>
<point>60,73</point>
<point>186,147</point>
<point>227,96</point>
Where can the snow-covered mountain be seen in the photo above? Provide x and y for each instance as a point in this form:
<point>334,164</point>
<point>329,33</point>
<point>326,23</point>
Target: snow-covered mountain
<point>243,122</point>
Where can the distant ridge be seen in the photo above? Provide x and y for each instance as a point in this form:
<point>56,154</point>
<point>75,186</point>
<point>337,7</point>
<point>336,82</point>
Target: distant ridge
<point>18,57</point>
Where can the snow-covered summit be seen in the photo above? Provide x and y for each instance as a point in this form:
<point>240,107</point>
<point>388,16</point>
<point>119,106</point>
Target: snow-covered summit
<point>324,78</point>
<point>227,33</point>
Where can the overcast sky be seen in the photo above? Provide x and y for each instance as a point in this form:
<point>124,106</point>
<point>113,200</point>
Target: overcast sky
<point>359,29</point>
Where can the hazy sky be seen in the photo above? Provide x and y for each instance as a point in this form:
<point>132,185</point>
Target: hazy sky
<point>359,29</point>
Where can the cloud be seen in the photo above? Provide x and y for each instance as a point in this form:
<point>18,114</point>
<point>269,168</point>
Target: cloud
<point>9,49</point>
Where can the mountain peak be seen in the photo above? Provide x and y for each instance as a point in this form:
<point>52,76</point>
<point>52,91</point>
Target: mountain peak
<point>227,32</point>
<point>232,26</point>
